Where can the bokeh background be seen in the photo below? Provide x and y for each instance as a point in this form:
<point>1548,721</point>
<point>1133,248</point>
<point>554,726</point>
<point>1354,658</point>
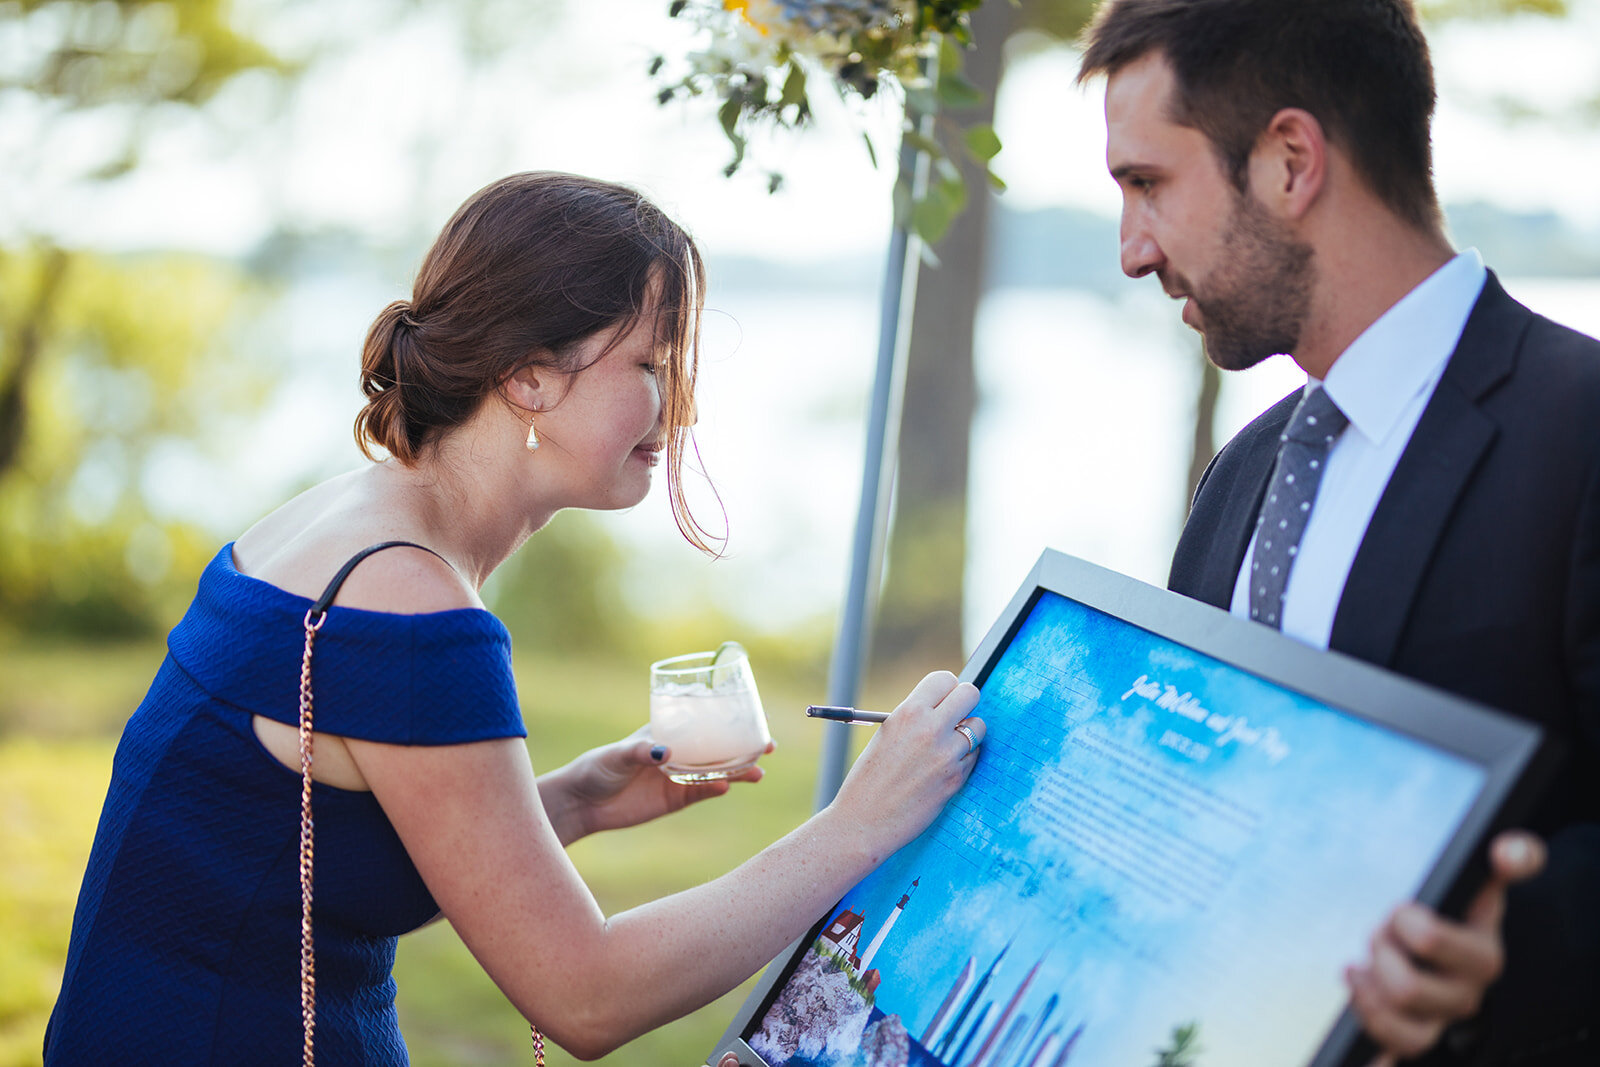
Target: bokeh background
<point>203,204</point>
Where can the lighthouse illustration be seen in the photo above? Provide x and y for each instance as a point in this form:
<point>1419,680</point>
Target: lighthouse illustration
<point>845,931</point>
<point>883,931</point>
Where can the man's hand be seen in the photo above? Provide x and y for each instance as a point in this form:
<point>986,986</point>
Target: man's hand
<point>1426,972</point>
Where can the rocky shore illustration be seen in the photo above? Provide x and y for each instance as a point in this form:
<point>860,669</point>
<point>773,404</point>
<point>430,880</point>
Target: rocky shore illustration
<point>826,1014</point>
<point>825,1017</point>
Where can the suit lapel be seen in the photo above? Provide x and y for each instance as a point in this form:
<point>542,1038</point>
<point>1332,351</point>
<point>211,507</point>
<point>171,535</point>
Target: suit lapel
<point>1206,562</point>
<point>1238,518</point>
<point>1450,440</point>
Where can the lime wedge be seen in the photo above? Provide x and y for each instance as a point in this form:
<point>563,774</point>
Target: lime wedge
<point>727,657</point>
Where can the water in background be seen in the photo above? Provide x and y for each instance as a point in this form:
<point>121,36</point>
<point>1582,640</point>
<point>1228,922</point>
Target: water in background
<point>1081,441</point>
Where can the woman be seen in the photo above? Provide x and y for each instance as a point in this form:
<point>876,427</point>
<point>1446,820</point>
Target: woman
<point>546,360</point>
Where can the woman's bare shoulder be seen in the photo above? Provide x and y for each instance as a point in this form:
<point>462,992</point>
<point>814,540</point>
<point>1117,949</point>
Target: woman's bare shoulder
<point>406,581</point>
<point>301,546</point>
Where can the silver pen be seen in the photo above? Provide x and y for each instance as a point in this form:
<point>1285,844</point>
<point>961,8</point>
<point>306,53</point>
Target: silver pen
<point>853,716</point>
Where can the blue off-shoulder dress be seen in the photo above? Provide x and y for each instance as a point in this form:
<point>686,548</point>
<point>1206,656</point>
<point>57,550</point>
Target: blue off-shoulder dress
<point>185,943</point>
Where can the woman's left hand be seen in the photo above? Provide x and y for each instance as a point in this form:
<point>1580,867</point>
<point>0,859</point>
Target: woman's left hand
<point>621,784</point>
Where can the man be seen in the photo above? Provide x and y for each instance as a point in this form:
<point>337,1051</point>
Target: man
<point>1436,506</point>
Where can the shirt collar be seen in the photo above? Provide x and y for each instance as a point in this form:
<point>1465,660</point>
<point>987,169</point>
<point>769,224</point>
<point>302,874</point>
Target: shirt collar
<point>1404,352</point>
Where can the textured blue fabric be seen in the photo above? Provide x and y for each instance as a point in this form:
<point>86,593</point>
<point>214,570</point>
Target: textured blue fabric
<point>185,943</point>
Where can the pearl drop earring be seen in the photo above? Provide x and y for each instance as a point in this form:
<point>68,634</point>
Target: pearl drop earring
<point>533,436</point>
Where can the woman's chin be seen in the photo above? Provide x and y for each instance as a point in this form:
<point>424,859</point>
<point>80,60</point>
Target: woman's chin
<point>627,493</point>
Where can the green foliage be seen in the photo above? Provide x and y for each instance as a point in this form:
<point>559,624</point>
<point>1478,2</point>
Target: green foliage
<point>983,143</point>
<point>106,362</point>
<point>1184,1049</point>
<point>1062,20</point>
<point>143,51</point>
<point>120,59</point>
<point>764,56</point>
<point>930,540</point>
<point>949,143</point>
<point>949,18</point>
<point>839,961</point>
<point>131,355</point>
<point>559,592</point>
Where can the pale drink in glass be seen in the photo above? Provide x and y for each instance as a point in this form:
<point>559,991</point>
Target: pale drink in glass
<point>705,708</point>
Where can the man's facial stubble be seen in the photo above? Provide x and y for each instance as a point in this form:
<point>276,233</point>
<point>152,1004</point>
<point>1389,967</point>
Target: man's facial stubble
<point>1258,298</point>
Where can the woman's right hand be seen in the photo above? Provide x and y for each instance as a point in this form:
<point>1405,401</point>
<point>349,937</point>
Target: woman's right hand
<point>913,765</point>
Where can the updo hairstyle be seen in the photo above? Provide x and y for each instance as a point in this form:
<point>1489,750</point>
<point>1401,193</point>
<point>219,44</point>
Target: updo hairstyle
<point>527,269</point>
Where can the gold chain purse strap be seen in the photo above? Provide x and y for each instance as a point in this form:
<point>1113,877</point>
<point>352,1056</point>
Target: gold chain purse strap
<point>315,617</point>
<point>308,960</point>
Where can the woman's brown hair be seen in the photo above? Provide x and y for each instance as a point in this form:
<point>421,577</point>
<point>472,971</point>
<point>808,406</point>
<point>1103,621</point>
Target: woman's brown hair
<point>526,270</point>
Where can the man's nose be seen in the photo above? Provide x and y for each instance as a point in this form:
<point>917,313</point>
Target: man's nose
<point>1140,252</point>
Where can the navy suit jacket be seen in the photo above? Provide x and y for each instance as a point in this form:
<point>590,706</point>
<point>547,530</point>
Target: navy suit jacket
<point>1480,574</point>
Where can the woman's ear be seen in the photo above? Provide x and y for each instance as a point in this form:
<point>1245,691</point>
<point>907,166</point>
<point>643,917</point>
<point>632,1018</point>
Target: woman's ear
<point>528,388</point>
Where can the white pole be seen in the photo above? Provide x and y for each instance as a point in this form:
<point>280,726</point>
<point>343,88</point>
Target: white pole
<point>899,294</point>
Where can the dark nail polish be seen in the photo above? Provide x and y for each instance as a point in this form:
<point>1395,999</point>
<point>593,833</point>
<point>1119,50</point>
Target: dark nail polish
<point>658,753</point>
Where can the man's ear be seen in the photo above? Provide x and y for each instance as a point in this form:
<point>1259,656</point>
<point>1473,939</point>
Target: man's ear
<point>1289,165</point>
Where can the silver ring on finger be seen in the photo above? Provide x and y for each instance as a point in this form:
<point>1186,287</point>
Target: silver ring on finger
<point>972,738</point>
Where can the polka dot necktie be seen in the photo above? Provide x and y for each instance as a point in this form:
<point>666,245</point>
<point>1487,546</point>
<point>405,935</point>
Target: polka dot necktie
<point>1315,425</point>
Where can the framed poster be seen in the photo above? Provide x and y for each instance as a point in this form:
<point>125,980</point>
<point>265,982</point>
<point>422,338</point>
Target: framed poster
<point>1181,828</point>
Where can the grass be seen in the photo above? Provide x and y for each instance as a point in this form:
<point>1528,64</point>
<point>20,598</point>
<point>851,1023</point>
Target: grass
<point>63,706</point>
<point>73,691</point>
<point>50,793</point>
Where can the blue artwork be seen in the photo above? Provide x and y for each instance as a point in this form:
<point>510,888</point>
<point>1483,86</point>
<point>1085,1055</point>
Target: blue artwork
<point>1157,853</point>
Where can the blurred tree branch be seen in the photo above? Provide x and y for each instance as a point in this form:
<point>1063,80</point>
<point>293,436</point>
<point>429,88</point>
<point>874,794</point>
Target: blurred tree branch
<point>102,359</point>
<point>119,59</point>
<point>25,340</point>
<point>120,51</point>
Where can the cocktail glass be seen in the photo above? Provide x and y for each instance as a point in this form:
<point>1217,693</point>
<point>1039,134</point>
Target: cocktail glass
<point>705,708</point>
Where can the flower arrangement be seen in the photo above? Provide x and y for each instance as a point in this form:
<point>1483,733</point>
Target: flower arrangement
<point>762,58</point>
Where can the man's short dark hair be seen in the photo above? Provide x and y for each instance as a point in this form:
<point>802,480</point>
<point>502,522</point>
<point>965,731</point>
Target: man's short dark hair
<point>1360,66</point>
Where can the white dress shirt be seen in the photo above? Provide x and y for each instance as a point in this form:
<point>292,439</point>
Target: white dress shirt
<point>1383,381</point>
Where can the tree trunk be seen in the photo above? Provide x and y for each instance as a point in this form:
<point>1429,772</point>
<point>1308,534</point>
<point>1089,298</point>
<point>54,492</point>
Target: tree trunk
<point>919,615</point>
<point>1205,417</point>
<point>26,341</point>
